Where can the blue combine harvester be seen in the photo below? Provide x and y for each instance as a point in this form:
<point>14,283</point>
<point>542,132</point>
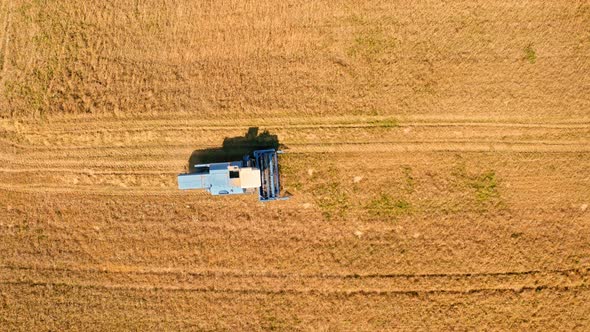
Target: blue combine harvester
<point>256,172</point>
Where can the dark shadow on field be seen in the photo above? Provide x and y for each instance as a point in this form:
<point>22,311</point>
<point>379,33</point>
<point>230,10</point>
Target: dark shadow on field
<point>234,148</point>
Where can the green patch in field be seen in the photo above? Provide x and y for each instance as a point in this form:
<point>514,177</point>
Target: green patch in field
<point>292,169</point>
<point>41,236</point>
<point>22,228</point>
<point>326,185</point>
<point>371,44</point>
<point>274,323</point>
<point>485,186</point>
<point>332,200</point>
<point>424,87</point>
<point>408,179</point>
<point>387,206</point>
<point>288,165</point>
<point>357,20</point>
<point>530,54</point>
<point>478,190</point>
<point>275,319</point>
<point>297,185</point>
<point>386,123</point>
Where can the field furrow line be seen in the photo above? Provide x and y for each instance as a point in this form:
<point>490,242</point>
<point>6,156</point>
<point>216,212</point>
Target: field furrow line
<point>175,153</point>
<point>374,124</point>
<point>85,171</point>
<point>103,190</point>
<point>4,40</point>
<point>144,150</point>
<point>282,275</point>
<point>81,120</point>
<point>262,291</point>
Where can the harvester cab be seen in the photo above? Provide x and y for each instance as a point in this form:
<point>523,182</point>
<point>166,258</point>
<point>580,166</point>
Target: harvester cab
<point>258,172</point>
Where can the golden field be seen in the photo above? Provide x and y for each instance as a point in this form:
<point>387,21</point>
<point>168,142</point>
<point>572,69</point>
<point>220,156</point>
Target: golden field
<point>438,158</point>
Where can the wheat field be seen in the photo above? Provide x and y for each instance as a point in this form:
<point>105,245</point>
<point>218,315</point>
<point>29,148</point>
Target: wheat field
<point>437,159</point>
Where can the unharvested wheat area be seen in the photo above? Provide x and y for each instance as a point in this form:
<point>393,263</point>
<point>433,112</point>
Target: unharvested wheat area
<point>437,157</point>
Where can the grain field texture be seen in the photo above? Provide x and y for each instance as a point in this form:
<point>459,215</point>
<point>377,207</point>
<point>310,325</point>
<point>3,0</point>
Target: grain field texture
<point>438,162</point>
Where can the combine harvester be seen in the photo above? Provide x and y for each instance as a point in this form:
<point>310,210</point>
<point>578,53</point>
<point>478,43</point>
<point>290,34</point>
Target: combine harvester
<point>256,172</point>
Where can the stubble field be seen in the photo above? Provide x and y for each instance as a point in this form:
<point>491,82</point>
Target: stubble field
<point>438,158</point>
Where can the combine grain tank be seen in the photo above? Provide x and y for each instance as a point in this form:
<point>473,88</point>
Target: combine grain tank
<point>258,172</point>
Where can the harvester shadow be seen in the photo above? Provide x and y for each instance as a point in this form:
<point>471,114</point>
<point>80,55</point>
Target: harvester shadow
<point>235,148</point>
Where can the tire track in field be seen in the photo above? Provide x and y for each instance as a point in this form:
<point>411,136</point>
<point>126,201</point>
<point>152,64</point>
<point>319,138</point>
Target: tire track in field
<point>20,167</point>
<point>167,163</point>
<point>82,120</point>
<point>258,291</point>
<point>291,144</point>
<point>214,273</point>
<point>110,174</point>
<point>375,124</point>
<point>310,126</point>
<point>5,40</point>
<point>109,164</point>
<point>84,171</point>
<point>159,125</point>
<point>121,141</point>
<point>102,190</point>
<point>149,155</point>
<point>177,152</point>
<point>281,283</point>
